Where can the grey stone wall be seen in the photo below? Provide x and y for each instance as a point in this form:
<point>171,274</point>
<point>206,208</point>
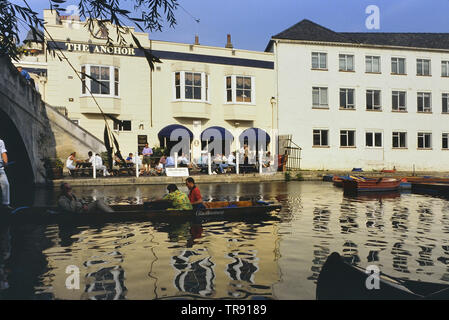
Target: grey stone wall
<point>44,131</point>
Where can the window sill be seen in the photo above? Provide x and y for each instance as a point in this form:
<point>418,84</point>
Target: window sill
<point>193,101</point>
<point>424,149</point>
<point>444,76</point>
<point>399,111</point>
<point>425,112</point>
<point>373,72</point>
<point>443,149</point>
<point>373,110</point>
<point>321,147</point>
<point>444,112</point>
<point>320,108</point>
<point>398,74</point>
<point>99,96</point>
<point>349,71</point>
<point>423,75</point>
<point>238,103</point>
<point>348,147</point>
<point>399,148</point>
<point>377,148</point>
<point>349,109</point>
<point>319,69</point>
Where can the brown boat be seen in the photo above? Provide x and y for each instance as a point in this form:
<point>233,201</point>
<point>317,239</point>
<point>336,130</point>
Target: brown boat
<point>371,185</point>
<point>151,211</point>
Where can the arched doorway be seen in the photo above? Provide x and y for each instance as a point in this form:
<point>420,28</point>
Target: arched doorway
<point>256,139</point>
<point>216,140</point>
<point>175,136</point>
<point>20,173</point>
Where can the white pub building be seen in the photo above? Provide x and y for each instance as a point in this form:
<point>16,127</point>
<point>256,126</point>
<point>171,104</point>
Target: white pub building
<point>364,100</point>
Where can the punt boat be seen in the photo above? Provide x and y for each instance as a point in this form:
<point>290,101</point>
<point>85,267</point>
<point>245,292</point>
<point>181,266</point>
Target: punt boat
<point>371,185</point>
<point>150,211</point>
<point>432,188</point>
<point>339,280</point>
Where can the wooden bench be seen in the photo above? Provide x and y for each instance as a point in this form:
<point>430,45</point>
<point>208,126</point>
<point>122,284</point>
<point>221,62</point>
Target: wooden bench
<point>85,172</point>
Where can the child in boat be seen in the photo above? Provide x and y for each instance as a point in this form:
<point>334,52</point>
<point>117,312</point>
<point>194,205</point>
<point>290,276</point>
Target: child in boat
<point>68,202</point>
<point>179,200</point>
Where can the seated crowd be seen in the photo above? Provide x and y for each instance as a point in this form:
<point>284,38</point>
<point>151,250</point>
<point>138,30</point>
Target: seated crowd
<point>156,166</point>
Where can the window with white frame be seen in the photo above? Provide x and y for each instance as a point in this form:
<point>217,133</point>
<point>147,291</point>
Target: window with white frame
<point>373,100</point>
<point>100,80</point>
<point>445,103</point>
<point>424,140</point>
<point>373,139</point>
<point>239,89</point>
<point>445,141</point>
<point>399,99</point>
<point>423,67</point>
<point>319,97</point>
<point>398,65</point>
<point>346,62</point>
<point>347,98</point>
<point>445,68</point>
<point>320,137</point>
<point>424,102</point>
<point>319,60</point>
<point>347,138</point>
<point>399,139</point>
<point>191,86</point>
<point>372,64</point>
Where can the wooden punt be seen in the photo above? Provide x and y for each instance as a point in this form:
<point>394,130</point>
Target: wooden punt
<point>371,185</point>
<point>434,188</point>
<point>339,280</point>
<point>222,210</point>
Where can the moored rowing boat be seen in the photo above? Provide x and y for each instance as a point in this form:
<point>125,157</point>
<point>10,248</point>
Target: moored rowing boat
<point>370,185</point>
<point>141,212</point>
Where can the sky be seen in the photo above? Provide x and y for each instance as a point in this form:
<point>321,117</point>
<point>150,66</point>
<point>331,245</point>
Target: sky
<point>251,23</point>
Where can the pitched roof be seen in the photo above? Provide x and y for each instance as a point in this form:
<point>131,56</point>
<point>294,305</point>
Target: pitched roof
<point>34,37</point>
<point>311,31</point>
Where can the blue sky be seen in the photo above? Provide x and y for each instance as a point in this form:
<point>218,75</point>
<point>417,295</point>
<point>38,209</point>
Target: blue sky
<point>251,23</point>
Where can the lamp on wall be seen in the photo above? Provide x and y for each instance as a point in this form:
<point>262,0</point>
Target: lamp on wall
<point>141,127</point>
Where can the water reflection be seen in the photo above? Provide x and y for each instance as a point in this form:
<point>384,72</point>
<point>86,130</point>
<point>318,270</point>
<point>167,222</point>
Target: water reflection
<point>406,235</point>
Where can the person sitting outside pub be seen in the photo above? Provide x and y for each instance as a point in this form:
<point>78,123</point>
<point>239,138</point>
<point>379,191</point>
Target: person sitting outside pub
<point>170,162</point>
<point>266,163</point>
<point>183,161</point>
<point>179,200</point>
<point>228,163</point>
<point>129,160</point>
<point>68,202</point>
<point>100,166</point>
<point>72,163</point>
<point>158,169</point>
<point>147,153</point>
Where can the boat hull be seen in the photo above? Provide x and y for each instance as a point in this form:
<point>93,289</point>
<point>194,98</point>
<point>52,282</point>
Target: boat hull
<point>339,280</point>
<point>50,215</point>
<point>371,185</point>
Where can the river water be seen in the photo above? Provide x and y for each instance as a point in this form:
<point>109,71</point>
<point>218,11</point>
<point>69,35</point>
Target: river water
<point>406,235</point>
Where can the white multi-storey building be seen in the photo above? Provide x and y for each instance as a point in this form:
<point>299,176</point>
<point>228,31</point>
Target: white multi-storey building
<point>369,100</point>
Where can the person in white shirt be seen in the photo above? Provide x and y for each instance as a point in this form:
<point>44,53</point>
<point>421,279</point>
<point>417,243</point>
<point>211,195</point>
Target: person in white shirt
<point>4,183</point>
<point>98,163</point>
<point>71,161</point>
<point>229,162</point>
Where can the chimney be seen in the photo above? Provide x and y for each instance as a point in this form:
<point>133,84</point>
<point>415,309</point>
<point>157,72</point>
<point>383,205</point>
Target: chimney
<point>229,44</point>
<point>197,40</point>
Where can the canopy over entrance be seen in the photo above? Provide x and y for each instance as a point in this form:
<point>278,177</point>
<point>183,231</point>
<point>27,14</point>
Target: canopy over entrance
<point>216,140</point>
<point>175,138</point>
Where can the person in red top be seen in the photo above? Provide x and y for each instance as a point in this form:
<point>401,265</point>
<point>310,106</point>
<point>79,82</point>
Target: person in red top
<point>194,195</point>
